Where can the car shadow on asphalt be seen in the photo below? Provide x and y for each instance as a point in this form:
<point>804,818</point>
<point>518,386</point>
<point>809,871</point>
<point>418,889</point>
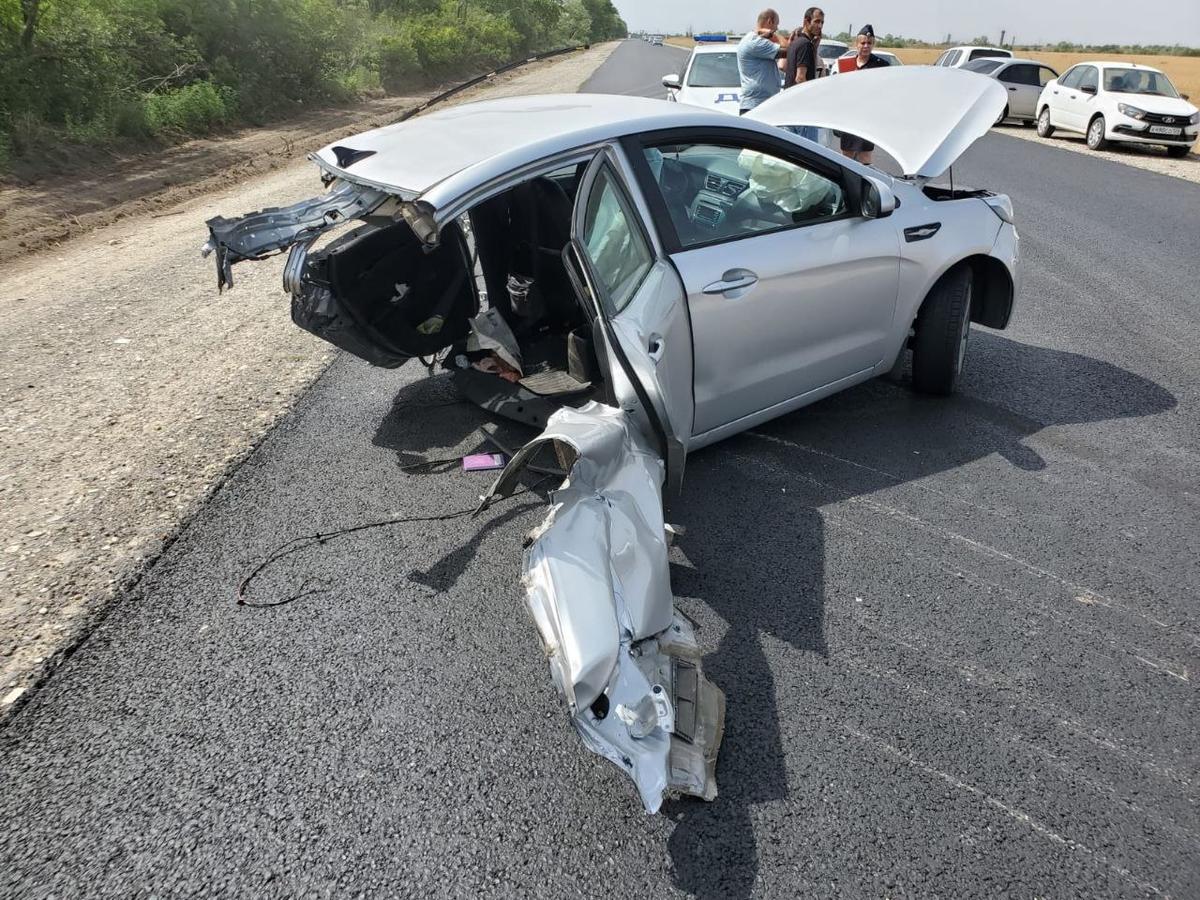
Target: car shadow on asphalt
<point>775,481</point>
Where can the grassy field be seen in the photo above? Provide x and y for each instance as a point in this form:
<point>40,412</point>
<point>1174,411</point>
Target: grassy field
<point>1184,71</point>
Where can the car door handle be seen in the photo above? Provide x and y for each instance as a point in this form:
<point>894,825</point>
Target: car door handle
<point>1012,88</point>
<point>733,280</point>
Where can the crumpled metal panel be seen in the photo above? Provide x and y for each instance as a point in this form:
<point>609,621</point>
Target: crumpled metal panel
<point>597,582</point>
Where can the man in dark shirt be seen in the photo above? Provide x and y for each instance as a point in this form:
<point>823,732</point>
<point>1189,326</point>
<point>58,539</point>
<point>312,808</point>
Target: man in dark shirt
<point>802,58</point>
<point>855,147</point>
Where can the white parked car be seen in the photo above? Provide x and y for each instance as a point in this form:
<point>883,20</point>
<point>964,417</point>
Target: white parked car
<point>710,79</point>
<point>656,40</point>
<point>1120,102</point>
<point>957,57</point>
<point>662,276</point>
<point>1022,78</point>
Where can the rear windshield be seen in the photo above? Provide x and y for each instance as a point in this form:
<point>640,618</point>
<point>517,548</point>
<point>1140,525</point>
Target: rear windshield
<point>714,70</point>
<point>1138,81</point>
<point>983,66</point>
<point>981,54</point>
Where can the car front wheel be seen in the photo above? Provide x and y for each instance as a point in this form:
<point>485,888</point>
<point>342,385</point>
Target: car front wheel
<point>1044,128</point>
<point>1095,134</point>
<point>943,327</point>
<point>1178,152</point>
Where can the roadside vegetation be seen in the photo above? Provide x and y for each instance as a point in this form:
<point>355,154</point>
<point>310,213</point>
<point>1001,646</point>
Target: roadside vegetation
<point>99,72</point>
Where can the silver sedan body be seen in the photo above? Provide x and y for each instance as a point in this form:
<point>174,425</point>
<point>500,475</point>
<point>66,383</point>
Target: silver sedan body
<point>693,275</point>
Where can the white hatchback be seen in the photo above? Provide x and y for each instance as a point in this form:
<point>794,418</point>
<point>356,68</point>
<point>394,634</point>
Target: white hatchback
<point>1125,102</point>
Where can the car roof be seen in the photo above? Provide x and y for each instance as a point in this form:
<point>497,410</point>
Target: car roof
<point>485,140</point>
<point>715,48</point>
<point>978,47</point>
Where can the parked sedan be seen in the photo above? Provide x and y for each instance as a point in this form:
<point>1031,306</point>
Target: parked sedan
<point>658,277</point>
<point>1119,102</point>
<point>1023,79</point>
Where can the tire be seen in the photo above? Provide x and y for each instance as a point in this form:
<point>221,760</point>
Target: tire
<point>1044,128</point>
<point>1095,134</point>
<point>943,328</point>
<point>1003,116</point>
<point>1178,152</point>
<point>1028,123</point>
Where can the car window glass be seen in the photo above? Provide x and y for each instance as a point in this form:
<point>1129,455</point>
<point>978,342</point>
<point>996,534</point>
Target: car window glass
<point>614,243</point>
<point>983,53</point>
<point>954,57</point>
<point>1138,81</point>
<point>1089,78</point>
<point>1022,73</point>
<point>714,70</point>
<point>983,66</point>
<point>1071,79</point>
<point>1045,76</point>
<point>724,192</point>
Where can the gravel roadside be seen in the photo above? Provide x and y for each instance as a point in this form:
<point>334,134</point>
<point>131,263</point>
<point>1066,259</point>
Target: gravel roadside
<point>1152,159</point>
<point>129,390</point>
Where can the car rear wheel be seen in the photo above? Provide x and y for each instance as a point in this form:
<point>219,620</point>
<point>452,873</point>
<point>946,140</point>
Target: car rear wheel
<point>1044,128</point>
<point>943,328</point>
<point>1095,134</point>
<point>1178,152</point>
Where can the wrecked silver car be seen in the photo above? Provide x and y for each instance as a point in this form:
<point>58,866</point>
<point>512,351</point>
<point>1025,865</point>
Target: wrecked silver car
<point>640,279</point>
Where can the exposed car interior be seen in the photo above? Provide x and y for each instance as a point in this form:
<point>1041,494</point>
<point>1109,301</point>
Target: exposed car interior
<point>715,193</point>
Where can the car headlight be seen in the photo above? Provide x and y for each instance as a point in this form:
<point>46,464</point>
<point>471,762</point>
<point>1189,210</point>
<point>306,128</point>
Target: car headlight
<point>1195,119</point>
<point>1132,111</point>
<point>1002,206</point>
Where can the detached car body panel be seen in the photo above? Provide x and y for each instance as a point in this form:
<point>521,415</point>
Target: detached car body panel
<point>635,278</point>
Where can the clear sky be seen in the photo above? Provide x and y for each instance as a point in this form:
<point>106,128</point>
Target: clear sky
<point>1030,21</point>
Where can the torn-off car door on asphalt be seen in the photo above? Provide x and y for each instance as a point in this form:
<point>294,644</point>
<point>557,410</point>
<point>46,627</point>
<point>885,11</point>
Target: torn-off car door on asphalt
<point>596,573</point>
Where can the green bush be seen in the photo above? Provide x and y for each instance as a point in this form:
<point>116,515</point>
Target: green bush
<point>194,109</point>
<point>399,66</point>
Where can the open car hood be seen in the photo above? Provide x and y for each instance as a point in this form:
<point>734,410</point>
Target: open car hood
<point>922,116</point>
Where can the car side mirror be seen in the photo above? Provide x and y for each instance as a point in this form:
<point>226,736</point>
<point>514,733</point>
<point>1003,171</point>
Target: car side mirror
<point>1088,89</point>
<point>878,201</point>
<point>672,82</point>
<point>1185,96</point>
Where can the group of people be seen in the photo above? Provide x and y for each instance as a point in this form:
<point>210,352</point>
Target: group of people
<point>763,52</point>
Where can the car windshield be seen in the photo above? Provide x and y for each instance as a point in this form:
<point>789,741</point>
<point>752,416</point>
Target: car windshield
<point>981,54</point>
<point>983,66</point>
<point>831,51</point>
<point>714,70</point>
<point>1138,81</point>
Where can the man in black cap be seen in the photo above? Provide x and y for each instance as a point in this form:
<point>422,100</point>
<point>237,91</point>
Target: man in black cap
<point>855,147</point>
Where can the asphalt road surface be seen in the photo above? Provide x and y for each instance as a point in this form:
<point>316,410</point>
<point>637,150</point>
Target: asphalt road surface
<point>959,637</point>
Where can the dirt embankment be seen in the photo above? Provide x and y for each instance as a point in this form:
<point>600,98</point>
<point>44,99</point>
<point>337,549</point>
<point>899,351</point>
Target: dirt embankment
<point>128,387</point>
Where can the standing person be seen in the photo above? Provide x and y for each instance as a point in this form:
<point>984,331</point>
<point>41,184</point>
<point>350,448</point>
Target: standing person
<point>803,61</point>
<point>802,58</point>
<point>855,147</point>
<point>756,56</point>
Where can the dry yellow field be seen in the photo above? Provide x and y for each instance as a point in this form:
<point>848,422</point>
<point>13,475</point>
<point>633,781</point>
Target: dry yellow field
<point>1184,71</point>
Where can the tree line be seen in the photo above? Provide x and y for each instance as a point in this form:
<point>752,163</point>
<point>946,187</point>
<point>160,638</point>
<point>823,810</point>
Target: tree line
<point>98,71</point>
